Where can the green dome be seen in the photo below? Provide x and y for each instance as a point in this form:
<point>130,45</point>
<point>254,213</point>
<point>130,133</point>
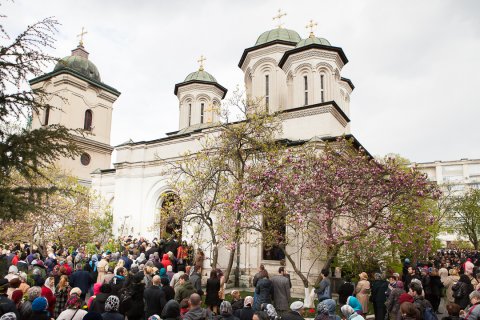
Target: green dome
<point>310,40</point>
<point>200,75</point>
<point>79,64</point>
<point>278,34</point>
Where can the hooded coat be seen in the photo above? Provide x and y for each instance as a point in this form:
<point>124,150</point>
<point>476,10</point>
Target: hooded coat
<point>171,311</point>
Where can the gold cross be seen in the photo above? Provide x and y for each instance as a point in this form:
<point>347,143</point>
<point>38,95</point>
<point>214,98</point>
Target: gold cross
<point>210,109</point>
<point>201,60</point>
<point>311,25</point>
<point>84,32</point>
<point>279,17</point>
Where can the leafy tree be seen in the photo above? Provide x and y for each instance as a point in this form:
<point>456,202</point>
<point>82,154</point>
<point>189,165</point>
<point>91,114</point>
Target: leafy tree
<point>465,218</point>
<point>26,152</point>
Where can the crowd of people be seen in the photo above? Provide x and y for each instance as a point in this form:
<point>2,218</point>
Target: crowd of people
<point>163,280</point>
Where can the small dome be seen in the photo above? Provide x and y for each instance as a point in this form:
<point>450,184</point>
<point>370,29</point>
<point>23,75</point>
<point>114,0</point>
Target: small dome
<point>200,75</point>
<point>80,64</point>
<point>278,34</point>
<point>310,40</point>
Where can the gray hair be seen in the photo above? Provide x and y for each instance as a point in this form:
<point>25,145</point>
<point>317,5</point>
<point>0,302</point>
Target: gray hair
<point>474,294</point>
<point>377,276</point>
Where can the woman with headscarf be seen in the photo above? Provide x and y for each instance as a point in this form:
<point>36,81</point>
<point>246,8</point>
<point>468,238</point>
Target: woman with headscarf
<point>355,304</point>
<point>48,291</point>
<point>171,311</point>
<point>25,309</point>
<point>61,295</point>
<point>349,313</point>
<point>246,313</point>
<point>330,306</point>
<point>392,304</point>
<point>363,291</point>
<point>96,290</point>
<point>461,291</point>
<point>271,312</point>
<point>73,309</point>
<point>39,309</point>
<point>9,316</point>
<point>111,309</point>
<point>226,311</point>
<point>24,286</point>
<point>166,261</point>
<point>98,302</point>
<point>322,312</point>
<point>448,283</point>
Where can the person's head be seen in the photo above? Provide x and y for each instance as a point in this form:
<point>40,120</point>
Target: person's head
<point>409,310</point>
<point>165,282</point>
<point>121,271</point>
<point>63,283</point>
<point>297,306</point>
<point>260,315</point>
<point>474,297</point>
<point>184,303</point>
<point>347,311</point>
<point>248,302</point>
<point>453,272</point>
<point>392,280</point>
<point>112,304</point>
<point>213,274</point>
<point>434,272</point>
<point>405,297</point>
<point>377,276</point>
<point>414,289</point>
<point>156,281</point>
<point>363,276</point>
<point>195,300</point>
<point>33,293</point>
<point>235,295</point>
<point>106,288</point>
<point>263,274</point>
<point>324,273</point>
<point>183,278</point>
<point>15,283</point>
<point>261,267</point>
<point>40,304</point>
<point>75,302</point>
<point>169,268</point>
<point>226,308</point>
<point>453,309</point>
<point>281,270</point>
<point>411,270</point>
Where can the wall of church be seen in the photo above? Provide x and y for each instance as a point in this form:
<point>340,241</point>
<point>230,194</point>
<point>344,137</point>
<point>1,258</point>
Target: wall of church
<point>191,98</point>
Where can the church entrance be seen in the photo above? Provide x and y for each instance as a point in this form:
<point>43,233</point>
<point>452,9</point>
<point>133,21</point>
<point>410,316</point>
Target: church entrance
<point>170,224</point>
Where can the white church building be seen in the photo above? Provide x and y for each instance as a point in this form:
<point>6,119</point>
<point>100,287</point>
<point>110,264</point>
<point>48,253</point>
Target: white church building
<point>300,79</point>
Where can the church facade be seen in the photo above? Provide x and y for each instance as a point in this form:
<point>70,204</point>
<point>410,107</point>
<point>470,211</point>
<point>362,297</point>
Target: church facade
<point>298,79</point>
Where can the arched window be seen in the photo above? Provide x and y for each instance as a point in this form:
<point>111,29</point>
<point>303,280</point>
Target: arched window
<point>202,111</point>
<point>87,123</point>
<point>166,220</point>
<point>305,89</point>
<point>267,91</point>
<point>322,87</point>
<point>189,114</point>
<point>47,115</point>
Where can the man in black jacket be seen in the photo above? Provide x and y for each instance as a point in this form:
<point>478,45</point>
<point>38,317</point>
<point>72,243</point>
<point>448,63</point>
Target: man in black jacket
<point>196,280</point>
<point>154,298</point>
<point>81,279</point>
<point>6,305</point>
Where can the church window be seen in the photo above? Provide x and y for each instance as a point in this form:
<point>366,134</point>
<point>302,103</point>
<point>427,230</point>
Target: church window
<point>166,219</point>
<point>87,123</point>
<point>267,92</point>
<point>305,84</point>
<point>47,115</point>
<point>322,88</point>
<point>85,159</point>
<point>189,114</point>
<point>202,110</point>
<point>273,237</point>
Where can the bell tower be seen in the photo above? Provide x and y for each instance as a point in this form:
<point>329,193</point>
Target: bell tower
<point>79,100</point>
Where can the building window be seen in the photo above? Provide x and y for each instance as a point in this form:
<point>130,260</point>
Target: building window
<point>189,114</point>
<point>305,87</point>
<point>47,115</point>
<point>85,159</point>
<point>322,88</point>
<point>267,92</point>
<point>87,123</point>
<point>271,244</point>
<point>202,110</point>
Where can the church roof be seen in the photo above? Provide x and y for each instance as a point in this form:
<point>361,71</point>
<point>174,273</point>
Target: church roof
<point>313,39</point>
<point>200,75</point>
<point>79,62</point>
<point>313,45</point>
<point>278,34</point>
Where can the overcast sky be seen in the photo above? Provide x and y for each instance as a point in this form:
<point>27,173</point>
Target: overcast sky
<point>415,64</point>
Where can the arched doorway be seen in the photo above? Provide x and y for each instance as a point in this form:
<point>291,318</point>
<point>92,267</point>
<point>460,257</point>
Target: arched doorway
<point>168,221</point>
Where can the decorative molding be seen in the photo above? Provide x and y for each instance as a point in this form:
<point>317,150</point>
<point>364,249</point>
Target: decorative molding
<point>301,66</point>
<point>327,65</point>
<point>313,111</point>
<point>200,87</point>
<point>277,48</point>
<point>264,60</point>
<point>309,54</point>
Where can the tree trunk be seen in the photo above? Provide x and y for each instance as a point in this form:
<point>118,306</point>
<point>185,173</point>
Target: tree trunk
<point>309,303</point>
<point>215,255</point>
<point>330,258</point>
<point>230,265</point>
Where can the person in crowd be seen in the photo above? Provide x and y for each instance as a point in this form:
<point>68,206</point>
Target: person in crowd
<point>281,291</point>
<point>327,310</point>
<point>226,311</point>
<point>170,273</point>
<point>112,306</point>
<point>98,303</point>
<point>167,289</point>
<point>185,288</point>
<point>102,268</point>
<point>453,310</point>
<point>73,309</point>
<point>362,291</point>
<point>355,304</point>
<point>184,307</point>
<point>109,275</point>
<point>24,286</point>
<point>324,289</point>
<point>48,291</point>
<point>40,309</point>
<point>408,311</point>
<point>62,292</point>
<point>415,290</point>
<point>196,280</point>
<point>12,273</point>
<point>81,279</point>
<point>148,278</point>
<point>196,312</point>
<point>448,283</point>
<point>296,311</point>
<point>154,298</point>
<point>199,259</point>
<point>6,305</point>
<point>473,312</point>
<point>221,292</point>
<point>246,313</point>
<point>96,291</point>
<point>134,307</point>
<point>436,287</point>
<point>461,291</point>
<point>25,309</point>
<point>213,286</point>
<point>346,290</point>
<point>237,301</point>
<point>378,296</point>
<point>13,285</point>
<point>350,314</point>
<point>171,311</point>
<point>263,290</point>
<point>118,281</point>
<point>166,261</point>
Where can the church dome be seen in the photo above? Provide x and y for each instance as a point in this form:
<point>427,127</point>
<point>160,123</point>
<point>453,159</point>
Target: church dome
<point>278,34</point>
<point>200,75</point>
<point>79,64</point>
<point>311,40</point>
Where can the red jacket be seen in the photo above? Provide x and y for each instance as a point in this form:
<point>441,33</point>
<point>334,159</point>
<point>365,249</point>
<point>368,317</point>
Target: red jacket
<point>166,261</point>
<point>48,294</point>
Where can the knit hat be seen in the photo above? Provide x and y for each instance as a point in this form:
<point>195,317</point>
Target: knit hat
<point>405,297</point>
<point>93,316</point>
<point>296,305</point>
<point>39,304</point>
<point>17,295</point>
<point>9,316</point>
<point>76,291</point>
<point>112,303</point>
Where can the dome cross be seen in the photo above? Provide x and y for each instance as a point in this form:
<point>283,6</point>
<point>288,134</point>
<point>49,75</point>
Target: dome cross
<point>84,32</point>
<point>201,61</point>
<point>311,25</point>
<point>278,17</point>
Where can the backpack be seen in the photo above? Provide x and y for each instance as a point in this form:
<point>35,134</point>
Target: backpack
<point>460,292</point>
<point>428,314</point>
